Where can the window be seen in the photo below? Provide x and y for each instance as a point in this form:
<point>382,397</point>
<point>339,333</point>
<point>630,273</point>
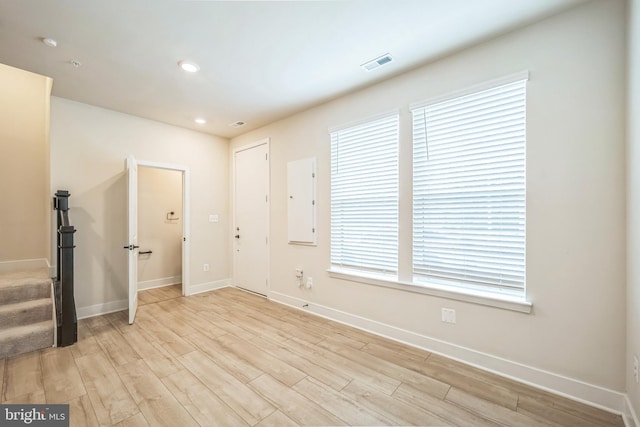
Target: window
<point>364,196</point>
<point>469,190</point>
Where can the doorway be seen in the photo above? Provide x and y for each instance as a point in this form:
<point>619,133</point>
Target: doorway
<point>133,244</point>
<point>251,217</point>
<point>160,219</point>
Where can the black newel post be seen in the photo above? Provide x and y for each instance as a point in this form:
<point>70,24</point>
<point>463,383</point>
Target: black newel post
<point>67,331</point>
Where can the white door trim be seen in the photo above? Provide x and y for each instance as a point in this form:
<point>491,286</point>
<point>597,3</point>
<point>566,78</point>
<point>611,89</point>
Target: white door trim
<point>132,237</point>
<point>266,141</point>
<point>186,223</point>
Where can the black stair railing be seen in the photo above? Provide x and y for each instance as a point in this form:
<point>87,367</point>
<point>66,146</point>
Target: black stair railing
<point>67,323</point>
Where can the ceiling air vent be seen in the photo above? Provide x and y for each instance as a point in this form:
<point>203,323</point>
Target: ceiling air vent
<point>378,62</point>
<point>236,124</point>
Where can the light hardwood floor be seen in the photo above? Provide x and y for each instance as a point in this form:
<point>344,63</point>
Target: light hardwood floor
<point>231,358</point>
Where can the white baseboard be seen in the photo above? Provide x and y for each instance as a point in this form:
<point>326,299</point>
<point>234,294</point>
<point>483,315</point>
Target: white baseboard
<point>112,306</point>
<point>104,308</point>
<point>590,394</point>
<point>22,265</point>
<point>208,286</point>
<point>51,268</point>
<point>158,283</point>
<point>54,315</point>
<point>629,415</point>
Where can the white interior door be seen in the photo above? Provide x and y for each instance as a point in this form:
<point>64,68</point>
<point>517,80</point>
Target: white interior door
<point>132,235</point>
<point>251,218</point>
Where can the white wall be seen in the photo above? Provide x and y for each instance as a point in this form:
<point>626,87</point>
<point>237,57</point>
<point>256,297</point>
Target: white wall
<point>633,203</point>
<point>575,200</point>
<point>88,150</point>
<point>159,193</point>
<point>24,166</point>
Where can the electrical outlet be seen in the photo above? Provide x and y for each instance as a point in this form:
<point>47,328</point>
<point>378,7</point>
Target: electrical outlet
<point>205,267</point>
<point>309,282</point>
<point>635,368</point>
<point>448,315</point>
<point>299,274</point>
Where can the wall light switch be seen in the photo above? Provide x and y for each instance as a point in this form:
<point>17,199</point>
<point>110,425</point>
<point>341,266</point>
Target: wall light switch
<point>214,218</point>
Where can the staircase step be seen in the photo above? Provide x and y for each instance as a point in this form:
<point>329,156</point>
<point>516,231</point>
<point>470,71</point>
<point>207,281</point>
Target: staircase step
<point>25,313</point>
<point>23,339</point>
<point>23,277</point>
<point>24,289</point>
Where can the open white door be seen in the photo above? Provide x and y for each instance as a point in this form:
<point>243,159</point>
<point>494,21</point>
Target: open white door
<point>132,235</point>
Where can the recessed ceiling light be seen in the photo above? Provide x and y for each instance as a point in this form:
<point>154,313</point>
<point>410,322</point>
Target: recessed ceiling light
<point>200,120</point>
<point>236,124</point>
<point>190,67</point>
<point>378,62</point>
<point>50,42</point>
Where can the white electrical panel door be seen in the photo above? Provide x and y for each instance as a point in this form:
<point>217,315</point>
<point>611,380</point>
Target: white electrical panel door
<point>301,188</point>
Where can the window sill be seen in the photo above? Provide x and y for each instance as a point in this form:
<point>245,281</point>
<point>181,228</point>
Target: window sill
<point>466,295</point>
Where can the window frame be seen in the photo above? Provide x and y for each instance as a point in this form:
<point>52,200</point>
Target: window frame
<point>362,125</point>
<point>404,282</point>
<point>511,259</point>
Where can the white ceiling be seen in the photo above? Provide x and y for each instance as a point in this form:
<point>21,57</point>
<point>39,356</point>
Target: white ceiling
<point>260,61</point>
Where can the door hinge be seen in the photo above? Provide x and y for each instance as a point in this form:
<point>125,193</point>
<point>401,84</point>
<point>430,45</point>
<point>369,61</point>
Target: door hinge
<point>266,199</point>
<point>266,156</point>
<point>313,203</point>
<point>313,175</point>
<point>313,230</point>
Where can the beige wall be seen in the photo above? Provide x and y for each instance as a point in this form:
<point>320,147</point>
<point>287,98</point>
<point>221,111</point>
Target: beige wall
<point>88,150</point>
<point>24,165</point>
<point>633,203</point>
<point>159,192</point>
<point>575,199</point>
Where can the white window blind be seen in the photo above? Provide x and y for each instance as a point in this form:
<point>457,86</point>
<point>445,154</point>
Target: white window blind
<point>364,196</point>
<point>469,190</point>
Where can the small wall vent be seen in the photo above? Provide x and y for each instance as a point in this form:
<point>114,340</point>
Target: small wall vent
<point>378,62</point>
<point>236,124</point>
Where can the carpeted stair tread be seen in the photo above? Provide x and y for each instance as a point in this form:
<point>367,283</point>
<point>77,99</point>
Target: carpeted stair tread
<point>23,339</point>
<point>38,273</point>
<point>19,290</point>
<point>26,312</point>
<point>12,283</point>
